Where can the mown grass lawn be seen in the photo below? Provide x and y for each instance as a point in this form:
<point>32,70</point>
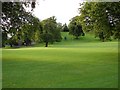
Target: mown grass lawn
<point>68,64</point>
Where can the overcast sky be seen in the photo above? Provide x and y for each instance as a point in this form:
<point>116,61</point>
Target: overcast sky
<point>64,10</point>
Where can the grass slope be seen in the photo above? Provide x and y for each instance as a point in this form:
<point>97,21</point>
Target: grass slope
<point>83,63</point>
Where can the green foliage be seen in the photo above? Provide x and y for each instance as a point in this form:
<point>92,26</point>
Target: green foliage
<point>37,36</point>
<point>4,38</point>
<point>32,31</point>
<point>59,26</point>
<point>14,16</point>
<point>50,26</point>
<point>75,28</point>
<point>65,28</point>
<point>47,37</point>
<point>101,18</point>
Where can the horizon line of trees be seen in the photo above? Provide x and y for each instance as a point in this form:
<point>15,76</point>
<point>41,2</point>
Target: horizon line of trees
<point>22,28</point>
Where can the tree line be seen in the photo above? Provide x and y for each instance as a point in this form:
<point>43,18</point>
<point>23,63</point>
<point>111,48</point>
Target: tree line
<point>20,27</point>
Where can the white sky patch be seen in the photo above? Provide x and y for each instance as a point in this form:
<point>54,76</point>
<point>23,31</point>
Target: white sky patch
<point>64,10</point>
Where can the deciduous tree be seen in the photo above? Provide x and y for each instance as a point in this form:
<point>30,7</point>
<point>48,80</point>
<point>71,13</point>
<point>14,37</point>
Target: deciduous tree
<point>75,28</point>
<point>14,16</point>
<point>102,18</point>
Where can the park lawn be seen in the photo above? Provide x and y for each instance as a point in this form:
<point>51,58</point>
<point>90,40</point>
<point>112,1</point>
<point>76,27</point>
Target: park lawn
<point>67,64</point>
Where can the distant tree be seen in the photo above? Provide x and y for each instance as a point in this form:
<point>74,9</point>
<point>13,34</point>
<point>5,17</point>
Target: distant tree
<point>57,35</point>
<point>50,25</point>
<point>65,28</point>
<point>75,28</point>
<point>47,37</point>
<point>59,26</point>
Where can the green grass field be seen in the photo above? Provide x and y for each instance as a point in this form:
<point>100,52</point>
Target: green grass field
<point>83,63</point>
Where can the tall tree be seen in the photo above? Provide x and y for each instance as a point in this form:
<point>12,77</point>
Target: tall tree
<point>14,16</point>
<point>51,27</point>
<point>75,28</point>
<point>102,18</point>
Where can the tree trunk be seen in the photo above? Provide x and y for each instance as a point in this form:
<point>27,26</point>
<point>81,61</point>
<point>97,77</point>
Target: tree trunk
<point>46,44</point>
